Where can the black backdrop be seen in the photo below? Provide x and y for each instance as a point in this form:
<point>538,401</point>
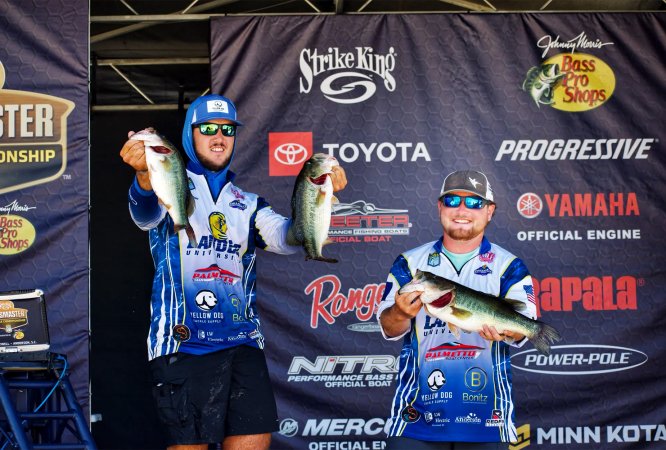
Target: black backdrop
<point>121,276</point>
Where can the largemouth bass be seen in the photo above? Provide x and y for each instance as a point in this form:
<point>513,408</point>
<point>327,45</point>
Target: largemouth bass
<point>311,206</point>
<point>169,179</point>
<point>466,309</point>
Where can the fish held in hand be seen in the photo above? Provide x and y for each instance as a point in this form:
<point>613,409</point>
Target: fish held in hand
<point>466,309</point>
<point>311,206</point>
<point>168,178</point>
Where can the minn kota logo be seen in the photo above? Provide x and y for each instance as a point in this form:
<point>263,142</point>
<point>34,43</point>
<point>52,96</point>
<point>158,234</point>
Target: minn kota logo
<point>523,439</point>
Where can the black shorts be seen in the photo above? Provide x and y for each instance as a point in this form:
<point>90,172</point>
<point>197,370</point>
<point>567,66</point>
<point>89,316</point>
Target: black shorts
<point>203,398</point>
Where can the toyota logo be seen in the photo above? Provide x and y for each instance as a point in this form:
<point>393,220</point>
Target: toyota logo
<point>290,154</point>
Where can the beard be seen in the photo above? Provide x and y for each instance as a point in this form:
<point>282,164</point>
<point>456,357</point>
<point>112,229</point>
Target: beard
<point>463,234</point>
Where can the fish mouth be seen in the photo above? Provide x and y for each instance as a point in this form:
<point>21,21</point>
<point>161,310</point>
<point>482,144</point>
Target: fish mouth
<point>320,180</point>
<point>162,150</point>
<point>442,301</point>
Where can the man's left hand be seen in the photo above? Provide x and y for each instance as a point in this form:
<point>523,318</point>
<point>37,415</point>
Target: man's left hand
<point>339,178</point>
<point>490,333</point>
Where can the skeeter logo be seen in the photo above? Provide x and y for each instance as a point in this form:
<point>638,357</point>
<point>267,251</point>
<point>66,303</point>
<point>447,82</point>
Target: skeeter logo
<point>579,360</point>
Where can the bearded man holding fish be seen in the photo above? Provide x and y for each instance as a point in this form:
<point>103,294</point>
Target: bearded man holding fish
<point>454,389</point>
<point>205,343</point>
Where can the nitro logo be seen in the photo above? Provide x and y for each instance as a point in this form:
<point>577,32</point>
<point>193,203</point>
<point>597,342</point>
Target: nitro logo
<point>350,79</point>
<point>580,205</point>
<point>604,293</point>
<point>327,365</point>
<point>328,303</point>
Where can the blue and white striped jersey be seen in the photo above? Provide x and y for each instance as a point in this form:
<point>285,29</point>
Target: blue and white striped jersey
<point>449,389</point>
<point>204,298</point>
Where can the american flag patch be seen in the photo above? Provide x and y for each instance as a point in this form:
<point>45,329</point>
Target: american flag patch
<point>529,290</point>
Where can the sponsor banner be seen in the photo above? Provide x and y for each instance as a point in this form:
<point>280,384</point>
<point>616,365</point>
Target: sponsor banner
<point>561,118</point>
<point>44,167</point>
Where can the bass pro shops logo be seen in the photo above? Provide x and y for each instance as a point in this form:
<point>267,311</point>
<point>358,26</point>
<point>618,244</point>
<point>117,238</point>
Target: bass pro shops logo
<point>33,137</point>
<point>570,82</point>
<point>349,75</point>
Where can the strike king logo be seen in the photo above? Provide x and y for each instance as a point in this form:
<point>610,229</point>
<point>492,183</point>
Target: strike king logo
<point>33,137</point>
<point>570,82</point>
<point>349,75</point>
<point>361,221</point>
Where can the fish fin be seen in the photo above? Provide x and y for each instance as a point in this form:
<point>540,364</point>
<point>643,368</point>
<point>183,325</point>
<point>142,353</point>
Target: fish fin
<point>517,305</point>
<point>191,236</point>
<point>544,338</point>
<point>321,196</point>
<point>292,238</point>
<point>454,329</point>
<point>460,313</point>
<point>328,260</point>
<point>327,241</point>
<point>334,200</point>
<point>191,206</point>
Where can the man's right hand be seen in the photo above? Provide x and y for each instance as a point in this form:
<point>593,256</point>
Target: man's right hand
<point>133,154</point>
<point>397,319</point>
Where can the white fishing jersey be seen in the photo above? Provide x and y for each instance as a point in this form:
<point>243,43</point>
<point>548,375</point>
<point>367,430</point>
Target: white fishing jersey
<point>449,389</point>
<point>204,298</point>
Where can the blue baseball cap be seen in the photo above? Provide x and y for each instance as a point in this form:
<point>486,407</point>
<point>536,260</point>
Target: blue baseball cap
<point>210,107</point>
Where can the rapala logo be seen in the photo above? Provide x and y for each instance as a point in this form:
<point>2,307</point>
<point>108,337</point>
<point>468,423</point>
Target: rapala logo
<point>611,204</point>
<point>288,152</point>
<point>361,221</point>
<point>574,149</point>
<point>579,360</point>
<point>349,74</point>
<point>605,293</point>
<point>329,306</point>
<point>600,434</point>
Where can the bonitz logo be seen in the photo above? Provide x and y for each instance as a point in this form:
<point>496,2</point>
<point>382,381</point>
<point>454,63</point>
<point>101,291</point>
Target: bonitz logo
<point>287,152</point>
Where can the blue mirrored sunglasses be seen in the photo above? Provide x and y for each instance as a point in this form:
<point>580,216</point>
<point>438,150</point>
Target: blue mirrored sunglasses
<point>473,202</point>
<point>210,129</point>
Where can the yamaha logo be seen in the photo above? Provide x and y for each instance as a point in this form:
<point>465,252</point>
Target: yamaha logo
<point>291,154</point>
<point>529,205</point>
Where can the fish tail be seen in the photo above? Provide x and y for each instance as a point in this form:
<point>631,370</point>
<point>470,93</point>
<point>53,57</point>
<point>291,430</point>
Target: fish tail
<point>546,336</point>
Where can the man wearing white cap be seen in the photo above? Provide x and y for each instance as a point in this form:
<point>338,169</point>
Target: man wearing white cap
<point>205,343</point>
<point>455,394</point>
